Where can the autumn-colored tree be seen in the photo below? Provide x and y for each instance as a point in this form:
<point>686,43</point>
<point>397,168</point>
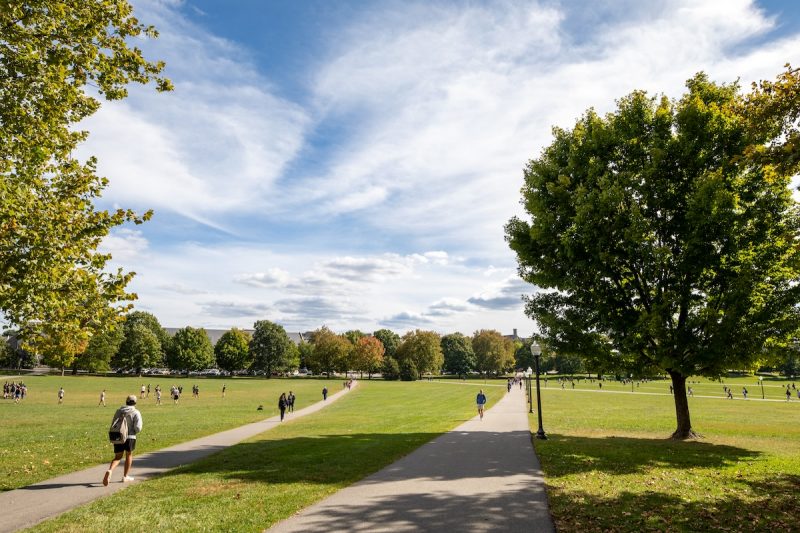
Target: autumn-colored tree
<point>368,355</point>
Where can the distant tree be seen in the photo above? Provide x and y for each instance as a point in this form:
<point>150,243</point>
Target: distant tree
<point>271,348</point>
<point>389,339</point>
<point>232,350</point>
<point>149,321</point>
<point>305,351</point>
<point>354,335</point>
<point>100,351</point>
<point>390,369</point>
<point>330,353</point>
<point>140,348</point>
<point>190,349</point>
<point>408,370</point>
<point>568,364</point>
<point>522,356</point>
<point>493,352</point>
<point>424,349</point>
<point>459,358</point>
<point>368,355</point>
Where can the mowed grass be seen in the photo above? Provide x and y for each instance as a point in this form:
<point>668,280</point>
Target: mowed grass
<point>253,485</point>
<point>609,464</point>
<point>40,439</point>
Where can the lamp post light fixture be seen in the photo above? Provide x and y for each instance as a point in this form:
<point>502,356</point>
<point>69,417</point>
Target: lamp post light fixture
<point>761,382</point>
<point>536,351</point>
<point>528,373</point>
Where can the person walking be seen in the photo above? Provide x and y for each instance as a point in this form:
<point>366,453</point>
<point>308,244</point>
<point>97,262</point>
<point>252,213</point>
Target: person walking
<point>224,387</point>
<point>788,394</point>
<point>61,395</point>
<point>744,392</point>
<point>481,400</point>
<point>158,395</point>
<point>102,399</point>
<point>324,393</point>
<point>282,405</point>
<point>134,418</point>
<point>290,402</point>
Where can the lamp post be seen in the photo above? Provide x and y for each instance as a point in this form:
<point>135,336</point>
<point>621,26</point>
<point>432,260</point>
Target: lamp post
<point>761,382</point>
<point>528,389</point>
<point>536,351</point>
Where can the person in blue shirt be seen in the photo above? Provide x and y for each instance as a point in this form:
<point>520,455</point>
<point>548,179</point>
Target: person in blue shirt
<point>481,399</point>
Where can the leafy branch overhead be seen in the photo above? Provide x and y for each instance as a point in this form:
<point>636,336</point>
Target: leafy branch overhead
<point>55,56</point>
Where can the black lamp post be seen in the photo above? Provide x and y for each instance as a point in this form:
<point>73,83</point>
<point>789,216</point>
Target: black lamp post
<point>536,351</point>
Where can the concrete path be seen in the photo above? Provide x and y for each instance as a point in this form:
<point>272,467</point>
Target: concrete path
<point>482,476</point>
<point>30,505</point>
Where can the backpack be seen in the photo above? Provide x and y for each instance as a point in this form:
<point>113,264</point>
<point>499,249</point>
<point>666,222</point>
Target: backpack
<point>118,432</point>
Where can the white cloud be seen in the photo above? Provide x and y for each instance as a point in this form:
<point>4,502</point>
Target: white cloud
<point>124,244</point>
<point>274,277</point>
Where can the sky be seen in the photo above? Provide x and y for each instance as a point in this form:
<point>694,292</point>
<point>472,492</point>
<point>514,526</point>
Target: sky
<point>352,164</point>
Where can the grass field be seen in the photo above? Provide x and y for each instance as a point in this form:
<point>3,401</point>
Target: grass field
<point>252,485</point>
<point>40,439</point>
<point>609,464</point>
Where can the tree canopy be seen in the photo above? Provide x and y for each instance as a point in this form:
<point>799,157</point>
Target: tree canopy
<point>423,348</point>
<point>190,349</point>
<point>330,353</point>
<point>664,234</point>
<point>368,355</point>
<point>389,339</point>
<point>493,352</point>
<point>232,350</point>
<point>54,284</point>
<point>459,358</point>
<point>271,349</point>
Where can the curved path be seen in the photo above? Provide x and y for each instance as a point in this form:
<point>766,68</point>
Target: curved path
<point>30,505</point>
<point>481,476</point>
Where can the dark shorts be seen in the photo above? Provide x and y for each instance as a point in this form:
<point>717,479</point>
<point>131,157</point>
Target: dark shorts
<point>128,446</point>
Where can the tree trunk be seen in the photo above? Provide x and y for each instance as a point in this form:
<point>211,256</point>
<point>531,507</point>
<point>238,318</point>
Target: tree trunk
<point>62,370</point>
<point>684,430</point>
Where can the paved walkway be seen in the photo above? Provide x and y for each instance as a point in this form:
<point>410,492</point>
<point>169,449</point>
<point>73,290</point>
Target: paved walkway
<point>481,476</point>
<point>30,505</point>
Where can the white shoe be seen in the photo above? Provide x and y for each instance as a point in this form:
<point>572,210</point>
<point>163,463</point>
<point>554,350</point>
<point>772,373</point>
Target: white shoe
<point>126,479</point>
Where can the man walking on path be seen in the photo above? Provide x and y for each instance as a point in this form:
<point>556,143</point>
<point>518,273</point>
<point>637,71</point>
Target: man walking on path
<point>290,401</point>
<point>324,393</point>
<point>282,405</point>
<point>134,426</point>
<point>481,399</point>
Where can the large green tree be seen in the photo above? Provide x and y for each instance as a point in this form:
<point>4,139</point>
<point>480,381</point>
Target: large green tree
<point>493,352</point>
<point>140,348</point>
<point>423,348</point>
<point>53,283</point>
<point>101,349</point>
<point>190,349</point>
<point>271,349</point>
<point>331,351</point>
<point>232,350</point>
<point>389,339</point>
<point>459,358</point>
<point>664,234</point>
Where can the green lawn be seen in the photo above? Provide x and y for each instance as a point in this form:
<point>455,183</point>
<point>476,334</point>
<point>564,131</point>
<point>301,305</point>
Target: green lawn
<point>250,486</point>
<point>40,439</point>
<point>609,465</point>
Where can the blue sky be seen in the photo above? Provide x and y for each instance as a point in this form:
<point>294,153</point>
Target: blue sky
<point>353,163</point>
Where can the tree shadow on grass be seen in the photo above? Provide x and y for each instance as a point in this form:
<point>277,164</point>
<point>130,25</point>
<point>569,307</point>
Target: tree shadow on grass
<point>773,505</point>
<point>565,454</point>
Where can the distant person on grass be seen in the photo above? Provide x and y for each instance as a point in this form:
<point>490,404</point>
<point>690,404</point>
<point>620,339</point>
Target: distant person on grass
<point>223,389</point>
<point>290,402</point>
<point>481,399</point>
<point>282,404</point>
<point>788,394</point>
<point>61,395</point>
<point>134,427</point>
<point>324,393</point>
<point>102,399</point>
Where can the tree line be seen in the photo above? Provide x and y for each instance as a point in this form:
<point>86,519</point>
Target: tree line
<point>140,341</point>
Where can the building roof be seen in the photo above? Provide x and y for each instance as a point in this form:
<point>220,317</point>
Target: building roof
<point>215,334</point>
